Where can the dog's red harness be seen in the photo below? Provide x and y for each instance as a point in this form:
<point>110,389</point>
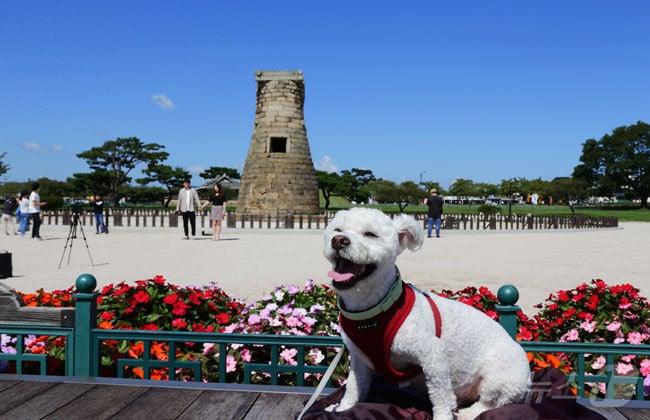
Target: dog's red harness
<point>374,336</point>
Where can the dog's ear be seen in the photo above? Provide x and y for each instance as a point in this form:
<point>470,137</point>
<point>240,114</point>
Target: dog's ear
<point>411,233</point>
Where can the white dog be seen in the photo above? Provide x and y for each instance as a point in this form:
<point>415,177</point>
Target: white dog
<point>464,358</point>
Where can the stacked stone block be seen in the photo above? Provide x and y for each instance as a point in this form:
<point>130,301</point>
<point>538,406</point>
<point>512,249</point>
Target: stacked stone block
<point>278,179</point>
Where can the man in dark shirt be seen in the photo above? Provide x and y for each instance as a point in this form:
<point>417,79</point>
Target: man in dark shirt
<point>98,211</point>
<point>434,213</point>
<point>8,214</point>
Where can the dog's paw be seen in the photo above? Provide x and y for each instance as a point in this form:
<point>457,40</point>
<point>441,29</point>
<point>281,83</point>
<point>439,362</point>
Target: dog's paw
<point>331,408</point>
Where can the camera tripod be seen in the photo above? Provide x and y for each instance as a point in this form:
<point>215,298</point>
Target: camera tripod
<point>72,235</point>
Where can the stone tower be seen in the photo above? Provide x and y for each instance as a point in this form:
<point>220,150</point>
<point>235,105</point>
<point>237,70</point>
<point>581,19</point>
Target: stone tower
<point>279,173</point>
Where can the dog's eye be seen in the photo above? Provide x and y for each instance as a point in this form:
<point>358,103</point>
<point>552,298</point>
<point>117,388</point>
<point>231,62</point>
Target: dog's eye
<point>370,235</point>
<point>337,230</point>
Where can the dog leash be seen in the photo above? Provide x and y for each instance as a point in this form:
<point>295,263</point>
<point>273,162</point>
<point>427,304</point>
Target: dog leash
<point>323,382</point>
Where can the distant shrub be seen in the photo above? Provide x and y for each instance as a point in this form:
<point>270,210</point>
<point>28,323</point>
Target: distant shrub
<point>488,209</point>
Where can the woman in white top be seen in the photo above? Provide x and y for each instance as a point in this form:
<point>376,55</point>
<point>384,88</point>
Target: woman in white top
<point>23,215</point>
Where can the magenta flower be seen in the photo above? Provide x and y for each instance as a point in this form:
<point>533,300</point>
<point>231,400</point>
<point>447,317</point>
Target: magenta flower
<point>645,368</point>
<point>245,355</point>
<point>635,337</point>
<point>231,364</point>
<point>288,356</point>
<point>599,363</point>
<point>254,319</point>
<point>292,321</point>
<point>571,335</point>
<point>624,368</point>
<point>588,326</point>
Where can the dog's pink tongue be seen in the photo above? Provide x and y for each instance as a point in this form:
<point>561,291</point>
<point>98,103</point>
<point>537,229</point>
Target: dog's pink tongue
<point>341,277</point>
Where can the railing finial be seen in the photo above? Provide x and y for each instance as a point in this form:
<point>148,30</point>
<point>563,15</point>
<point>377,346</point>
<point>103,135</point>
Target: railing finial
<point>508,295</point>
<point>86,283</point>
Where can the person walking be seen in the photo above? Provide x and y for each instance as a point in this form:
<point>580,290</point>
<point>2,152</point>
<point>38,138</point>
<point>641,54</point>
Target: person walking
<point>434,212</point>
<point>35,211</point>
<point>23,212</point>
<point>188,201</point>
<point>218,200</point>
<point>8,214</point>
<point>98,211</point>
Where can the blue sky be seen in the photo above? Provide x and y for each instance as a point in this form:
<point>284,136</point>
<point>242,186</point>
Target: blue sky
<point>474,89</point>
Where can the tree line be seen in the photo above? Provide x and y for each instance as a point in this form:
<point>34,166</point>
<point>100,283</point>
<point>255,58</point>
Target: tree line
<point>616,164</point>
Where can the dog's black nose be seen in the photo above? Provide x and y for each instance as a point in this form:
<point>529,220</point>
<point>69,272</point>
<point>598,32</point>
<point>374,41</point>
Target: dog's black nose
<point>339,242</point>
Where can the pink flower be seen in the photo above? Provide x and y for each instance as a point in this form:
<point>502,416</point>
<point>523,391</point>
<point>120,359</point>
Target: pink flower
<point>288,356</point>
<point>309,321</point>
<point>265,313</point>
<point>208,348</point>
<point>231,364</point>
<point>254,319</point>
<point>293,322</point>
<point>271,306</point>
<point>624,368</point>
<point>599,363</point>
<point>614,326</point>
<point>230,328</point>
<point>275,322</point>
<point>316,308</point>
<point>628,358</point>
<point>245,355</point>
<point>588,326</point>
<point>316,356</point>
<point>635,337</point>
<point>571,335</point>
<point>298,312</point>
<point>309,284</point>
<point>285,310</point>
<point>279,294</point>
<point>292,289</point>
<point>645,367</point>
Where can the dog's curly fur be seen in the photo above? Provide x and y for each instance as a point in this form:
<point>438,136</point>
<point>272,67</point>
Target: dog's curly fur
<point>474,362</point>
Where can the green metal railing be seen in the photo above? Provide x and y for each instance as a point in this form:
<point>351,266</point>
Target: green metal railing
<point>83,347</point>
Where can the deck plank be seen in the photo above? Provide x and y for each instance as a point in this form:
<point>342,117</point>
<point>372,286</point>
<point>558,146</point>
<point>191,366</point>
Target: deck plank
<point>21,392</point>
<point>7,384</point>
<point>635,413</point>
<point>159,404</point>
<point>277,406</point>
<point>43,404</point>
<point>102,402</point>
<point>220,405</point>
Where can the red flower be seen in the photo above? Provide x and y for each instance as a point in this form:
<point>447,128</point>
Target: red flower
<point>578,297</point>
<point>223,318</point>
<point>141,296</point>
<point>563,296</point>
<point>593,302</point>
<point>179,323</point>
<point>600,284</point>
<point>106,289</point>
<point>569,312</point>
<point>159,280</point>
<point>195,298</point>
<point>180,308</point>
<point>149,327</point>
<point>525,334</point>
<point>107,316</point>
<point>171,299</point>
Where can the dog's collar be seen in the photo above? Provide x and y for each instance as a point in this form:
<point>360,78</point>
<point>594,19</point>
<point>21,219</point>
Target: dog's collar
<point>391,297</point>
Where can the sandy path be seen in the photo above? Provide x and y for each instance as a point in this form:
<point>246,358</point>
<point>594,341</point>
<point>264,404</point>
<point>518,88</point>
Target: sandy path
<point>249,264</point>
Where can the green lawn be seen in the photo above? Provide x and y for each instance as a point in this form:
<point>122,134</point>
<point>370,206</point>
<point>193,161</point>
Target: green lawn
<point>630,215</point>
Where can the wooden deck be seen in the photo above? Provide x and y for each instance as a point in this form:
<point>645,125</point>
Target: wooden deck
<point>95,400</point>
<point>98,398</point>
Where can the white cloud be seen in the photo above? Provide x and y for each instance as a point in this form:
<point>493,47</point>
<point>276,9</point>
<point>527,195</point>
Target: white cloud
<point>163,101</point>
<point>195,169</point>
<point>326,164</point>
<point>32,146</point>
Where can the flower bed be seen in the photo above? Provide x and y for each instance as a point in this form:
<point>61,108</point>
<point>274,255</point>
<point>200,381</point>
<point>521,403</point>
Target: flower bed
<point>594,312</point>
